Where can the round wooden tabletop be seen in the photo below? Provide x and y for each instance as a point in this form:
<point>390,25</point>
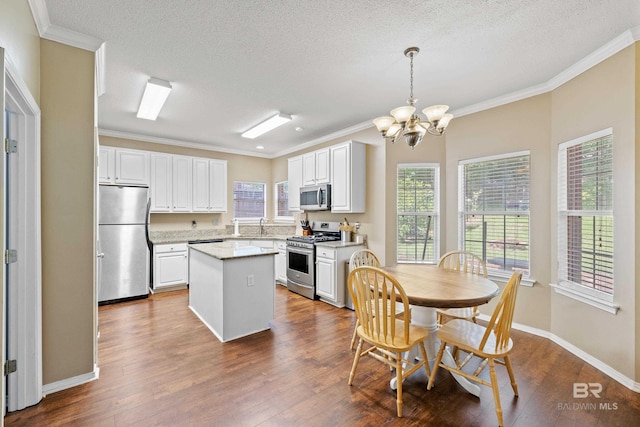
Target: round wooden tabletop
<point>430,286</point>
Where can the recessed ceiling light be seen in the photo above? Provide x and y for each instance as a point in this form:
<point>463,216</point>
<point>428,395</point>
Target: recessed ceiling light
<point>260,147</point>
<point>299,129</point>
<point>269,124</point>
<point>153,98</point>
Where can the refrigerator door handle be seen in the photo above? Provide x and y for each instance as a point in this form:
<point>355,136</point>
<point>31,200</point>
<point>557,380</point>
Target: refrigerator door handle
<point>146,225</point>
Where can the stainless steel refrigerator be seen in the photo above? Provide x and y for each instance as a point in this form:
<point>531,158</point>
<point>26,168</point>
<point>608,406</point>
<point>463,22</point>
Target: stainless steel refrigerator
<point>123,251</point>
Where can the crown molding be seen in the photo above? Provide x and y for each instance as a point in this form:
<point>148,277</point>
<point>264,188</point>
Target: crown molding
<point>59,34</point>
<point>594,58</point>
<point>177,143</point>
<point>325,138</point>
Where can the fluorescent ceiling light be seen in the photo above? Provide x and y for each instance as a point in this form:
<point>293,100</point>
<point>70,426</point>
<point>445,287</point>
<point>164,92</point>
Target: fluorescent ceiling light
<point>269,124</point>
<point>155,94</point>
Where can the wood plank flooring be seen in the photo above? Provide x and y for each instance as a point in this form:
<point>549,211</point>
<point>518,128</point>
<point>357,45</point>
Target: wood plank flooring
<point>160,366</point>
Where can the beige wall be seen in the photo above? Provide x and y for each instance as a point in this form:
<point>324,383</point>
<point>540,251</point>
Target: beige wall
<point>637,199</point>
<point>603,97</point>
<point>518,126</point>
<point>68,240</point>
<point>21,41</point>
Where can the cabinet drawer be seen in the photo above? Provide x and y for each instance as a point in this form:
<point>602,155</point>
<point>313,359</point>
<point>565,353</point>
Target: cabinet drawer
<point>176,247</point>
<point>280,245</point>
<point>325,253</point>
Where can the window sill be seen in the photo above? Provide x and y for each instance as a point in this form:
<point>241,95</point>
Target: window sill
<point>525,281</point>
<point>607,306</point>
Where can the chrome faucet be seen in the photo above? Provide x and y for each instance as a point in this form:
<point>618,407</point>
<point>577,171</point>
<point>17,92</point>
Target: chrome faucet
<point>261,226</point>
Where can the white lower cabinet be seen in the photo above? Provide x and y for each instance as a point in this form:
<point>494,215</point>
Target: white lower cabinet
<point>281,262</point>
<point>330,272</point>
<point>170,266</point>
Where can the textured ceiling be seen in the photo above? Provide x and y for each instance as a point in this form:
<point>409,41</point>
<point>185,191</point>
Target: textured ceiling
<point>331,64</point>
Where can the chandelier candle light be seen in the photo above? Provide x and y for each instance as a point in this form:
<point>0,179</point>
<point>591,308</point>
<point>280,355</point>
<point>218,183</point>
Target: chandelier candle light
<point>405,123</point>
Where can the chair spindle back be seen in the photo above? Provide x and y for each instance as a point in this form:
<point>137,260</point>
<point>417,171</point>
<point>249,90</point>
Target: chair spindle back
<point>502,318</point>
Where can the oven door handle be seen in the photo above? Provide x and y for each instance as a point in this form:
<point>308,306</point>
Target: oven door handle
<point>301,251</point>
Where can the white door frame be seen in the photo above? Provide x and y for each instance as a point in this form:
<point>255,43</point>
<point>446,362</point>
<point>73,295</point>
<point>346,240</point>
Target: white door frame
<point>24,281</point>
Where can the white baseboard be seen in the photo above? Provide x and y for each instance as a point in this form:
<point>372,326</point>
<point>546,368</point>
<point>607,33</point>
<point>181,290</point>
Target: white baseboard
<point>596,363</point>
<point>71,382</point>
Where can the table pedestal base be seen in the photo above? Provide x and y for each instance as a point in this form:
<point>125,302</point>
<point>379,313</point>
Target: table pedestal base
<point>426,318</point>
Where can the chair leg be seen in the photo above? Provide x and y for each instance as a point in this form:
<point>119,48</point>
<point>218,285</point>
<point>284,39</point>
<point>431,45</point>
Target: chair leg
<point>436,365</point>
<point>355,334</point>
<point>514,386</point>
<point>496,391</point>
<point>425,358</point>
<point>356,359</point>
<point>399,379</point>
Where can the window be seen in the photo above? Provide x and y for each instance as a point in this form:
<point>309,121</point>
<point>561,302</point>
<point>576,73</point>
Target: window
<point>494,211</point>
<point>585,213</point>
<point>249,200</point>
<point>418,207</point>
<point>282,201</point>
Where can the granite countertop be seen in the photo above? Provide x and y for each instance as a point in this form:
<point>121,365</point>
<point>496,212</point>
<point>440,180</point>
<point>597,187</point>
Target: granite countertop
<point>231,250</point>
<point>338,244</point>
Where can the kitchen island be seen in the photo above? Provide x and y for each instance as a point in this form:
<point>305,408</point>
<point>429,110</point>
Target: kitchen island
<point>231,288</point>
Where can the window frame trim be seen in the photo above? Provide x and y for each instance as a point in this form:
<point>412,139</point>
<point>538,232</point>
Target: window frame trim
<point>251,220</point>
<point>276,217</point>
<point>568,288</point>
<point>500,275</point>
<point>435,214</point>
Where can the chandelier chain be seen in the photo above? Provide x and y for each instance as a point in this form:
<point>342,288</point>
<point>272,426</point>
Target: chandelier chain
<point>411,79</point>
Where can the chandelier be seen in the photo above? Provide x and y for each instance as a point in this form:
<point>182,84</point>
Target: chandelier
<point>405,123</point>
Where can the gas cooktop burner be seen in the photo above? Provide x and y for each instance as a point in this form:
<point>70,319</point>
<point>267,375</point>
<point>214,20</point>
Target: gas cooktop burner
<point>314,238</point>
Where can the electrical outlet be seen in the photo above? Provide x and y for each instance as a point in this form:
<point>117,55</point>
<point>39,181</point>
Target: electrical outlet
<point>250,280</point>
<point>215,221</point>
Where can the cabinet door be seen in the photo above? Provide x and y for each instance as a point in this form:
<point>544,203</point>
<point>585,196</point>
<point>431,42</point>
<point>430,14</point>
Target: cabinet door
<point>218,185</point>
<point>295,182</point>
<point>281,267</point>
<point>132,167</point>
<point>323,166</point>
<point>309,169</point>
<point>170,269</point>
<point>160,182</point>
<point>181,184</point>
<point>106,165</point>
<point>341,179</point>
<point>200,185</point>
<point>325,275</point>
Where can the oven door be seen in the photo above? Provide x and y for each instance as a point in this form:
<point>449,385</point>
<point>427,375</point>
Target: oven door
<point>301,271</point>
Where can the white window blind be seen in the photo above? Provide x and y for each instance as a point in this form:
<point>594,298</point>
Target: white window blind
<point>249,200</point>
<point>417,213</point>
<point>282,200</point>
<point>494,210</point>
<point>585,212</point>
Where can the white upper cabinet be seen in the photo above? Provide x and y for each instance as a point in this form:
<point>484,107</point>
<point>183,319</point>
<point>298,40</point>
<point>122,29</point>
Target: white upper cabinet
<point>107,165</point>
<point>348,175</point>
<point>316,167</point>
<point>132,167</point>
<point>209,185</point>
<point>218,185</point>
<point>295,182</point>
<point>182,182</point>
<point>160,183</point>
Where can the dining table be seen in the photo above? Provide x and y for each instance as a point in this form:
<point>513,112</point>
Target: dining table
<point>428,288</point>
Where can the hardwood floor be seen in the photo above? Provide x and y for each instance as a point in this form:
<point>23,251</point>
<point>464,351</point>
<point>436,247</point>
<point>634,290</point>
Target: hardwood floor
<point>160,366</point>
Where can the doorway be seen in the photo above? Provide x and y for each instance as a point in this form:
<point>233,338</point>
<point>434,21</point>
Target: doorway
<point>22,234</point>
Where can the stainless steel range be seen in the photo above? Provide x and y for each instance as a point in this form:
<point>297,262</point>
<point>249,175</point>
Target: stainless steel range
<point>301,257</point>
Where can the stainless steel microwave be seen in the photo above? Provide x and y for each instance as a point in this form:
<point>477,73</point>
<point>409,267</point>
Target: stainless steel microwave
<point>315,198</point>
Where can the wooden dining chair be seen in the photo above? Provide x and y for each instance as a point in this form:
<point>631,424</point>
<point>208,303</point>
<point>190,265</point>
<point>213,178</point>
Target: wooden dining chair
<point>387,333</point>
<point>360,258</point>
<point>468,263</point>
<point>488,343</point>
